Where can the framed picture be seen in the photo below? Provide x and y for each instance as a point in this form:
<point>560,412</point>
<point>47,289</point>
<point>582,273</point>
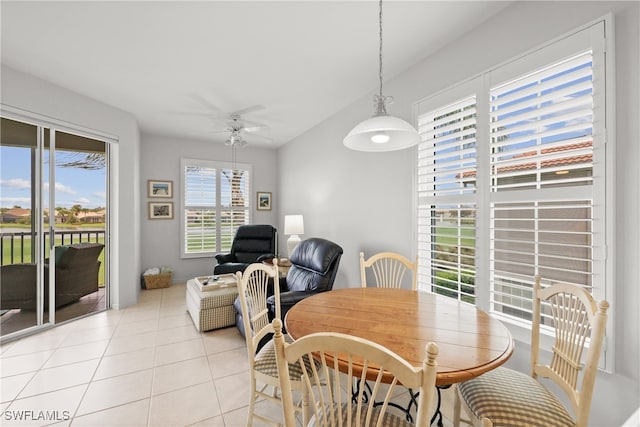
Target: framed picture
<point>263,202</point>
<point>161,189</point>
<point>160,210</point>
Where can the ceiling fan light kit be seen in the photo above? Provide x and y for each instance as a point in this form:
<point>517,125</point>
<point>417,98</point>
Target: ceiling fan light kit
<point>382,132</point>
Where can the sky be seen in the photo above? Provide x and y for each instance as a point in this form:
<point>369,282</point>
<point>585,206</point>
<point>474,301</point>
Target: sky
<point>74,186</point>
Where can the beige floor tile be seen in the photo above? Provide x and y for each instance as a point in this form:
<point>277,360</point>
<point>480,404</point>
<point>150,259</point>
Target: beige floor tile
<point>14,365</point>
<point>89,335</point>
<point>174,320</point>
<point>218,421</point>
<point>130,414</point>
<point>176,334</point>
<point>184,406</point>
<point>44,409</point>
<point>228,362</point>
<point>125,363</point>
<point>135,328</point>
<point>178,375</point>
<point>139,315</point>
<point>11,386</point>
<point>47,380</point>
<point>116,391</point>
<point>222,340</point>
<point>35,343</point>
<point>237,418</point>
<point>233,391</point>
<point>76,353</point>
<point>177,352</point>
<point>130,343</point>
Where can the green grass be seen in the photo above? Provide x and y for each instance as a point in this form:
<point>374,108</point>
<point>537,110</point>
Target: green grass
<point>449,236</point>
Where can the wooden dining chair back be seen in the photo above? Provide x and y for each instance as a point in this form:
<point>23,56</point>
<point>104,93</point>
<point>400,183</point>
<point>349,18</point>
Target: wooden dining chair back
<point>507,397</point>
<point>345,360</point>
<point>255,285</point>
<point>388,270</point>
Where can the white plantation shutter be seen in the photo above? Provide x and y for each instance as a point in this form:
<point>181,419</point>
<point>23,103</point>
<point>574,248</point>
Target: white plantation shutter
<point>541,176</point>
<point>199,209</point>
<point>446,194</point>
<point>216,201</point>
<point>513,180</point>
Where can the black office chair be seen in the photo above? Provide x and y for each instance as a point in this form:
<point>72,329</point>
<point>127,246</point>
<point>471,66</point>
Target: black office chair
<point>252,243</point>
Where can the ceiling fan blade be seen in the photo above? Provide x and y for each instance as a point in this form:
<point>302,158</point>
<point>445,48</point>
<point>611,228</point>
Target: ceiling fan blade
<point>256,128</point>
<point>248,110</point>
<point>203,101</point>
<point>251,123</point>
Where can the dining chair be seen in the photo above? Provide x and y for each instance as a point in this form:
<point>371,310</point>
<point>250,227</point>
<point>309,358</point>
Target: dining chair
<point>388,269</point>
<point>504,397</point>
<point>255,284</point>
<point>342,360</point>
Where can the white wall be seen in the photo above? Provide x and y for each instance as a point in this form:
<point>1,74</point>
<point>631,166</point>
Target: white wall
<point>161,160</point>
<point>364,201</point>
<point>26,92</point>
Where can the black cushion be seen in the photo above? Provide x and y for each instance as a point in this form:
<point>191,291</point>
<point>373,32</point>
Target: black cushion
<point>251,244</point>
<point>314,265</point>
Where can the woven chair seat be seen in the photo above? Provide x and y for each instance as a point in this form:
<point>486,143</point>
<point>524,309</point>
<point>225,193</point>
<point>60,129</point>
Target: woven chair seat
<point>265,361</point>
<point>511,398</point>
<point>388,419</point>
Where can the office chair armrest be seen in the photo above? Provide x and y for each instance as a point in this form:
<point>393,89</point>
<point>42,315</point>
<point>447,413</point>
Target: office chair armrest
<point>223,258</point>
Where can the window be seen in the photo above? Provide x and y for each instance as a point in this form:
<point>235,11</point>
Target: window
<point>446,213</point>
<point>512,179</point>
<point>216,202</point>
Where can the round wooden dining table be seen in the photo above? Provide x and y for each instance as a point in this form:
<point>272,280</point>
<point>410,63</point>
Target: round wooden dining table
<point>470,341</point>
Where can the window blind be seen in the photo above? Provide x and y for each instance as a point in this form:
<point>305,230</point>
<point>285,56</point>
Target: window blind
<point>541,173</point>
<point>216,202</point>
<point>446,194</point>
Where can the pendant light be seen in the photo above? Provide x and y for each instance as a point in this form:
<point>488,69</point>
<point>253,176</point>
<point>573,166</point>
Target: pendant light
<point>382,132</point>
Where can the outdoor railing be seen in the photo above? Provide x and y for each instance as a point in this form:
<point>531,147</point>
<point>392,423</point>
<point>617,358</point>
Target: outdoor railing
<point>16,247</point>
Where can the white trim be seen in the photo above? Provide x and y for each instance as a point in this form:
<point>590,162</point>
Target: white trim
<point>41,120</point>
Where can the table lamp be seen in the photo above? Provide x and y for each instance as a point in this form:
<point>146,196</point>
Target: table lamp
<point>293,225</point>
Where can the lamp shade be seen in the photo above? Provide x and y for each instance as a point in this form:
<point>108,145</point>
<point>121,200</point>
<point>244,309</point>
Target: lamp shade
<point>293,224</point>
<point>382,133</point>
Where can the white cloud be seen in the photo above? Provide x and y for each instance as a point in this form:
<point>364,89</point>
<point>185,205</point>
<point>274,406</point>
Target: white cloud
<point>20,184</point>
<point>82,201</point>
<point>61,188</point>
<point>11,201</point>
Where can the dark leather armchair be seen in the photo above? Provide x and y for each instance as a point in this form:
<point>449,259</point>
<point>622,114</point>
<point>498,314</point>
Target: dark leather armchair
<point>252,243</point>
<point>314,265</point>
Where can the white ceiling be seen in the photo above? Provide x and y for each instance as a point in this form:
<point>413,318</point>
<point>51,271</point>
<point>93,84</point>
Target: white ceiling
<point>302,60</point>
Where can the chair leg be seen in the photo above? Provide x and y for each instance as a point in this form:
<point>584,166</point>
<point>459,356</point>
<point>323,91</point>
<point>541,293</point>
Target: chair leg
<point>456,409</point>
<point>252,402</point>
<point>305,407</point>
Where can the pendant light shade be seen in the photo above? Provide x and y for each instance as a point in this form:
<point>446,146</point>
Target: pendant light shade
<point>382,132</point>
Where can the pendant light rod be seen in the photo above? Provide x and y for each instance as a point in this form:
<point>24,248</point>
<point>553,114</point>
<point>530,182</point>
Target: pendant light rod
<point>382,132</point>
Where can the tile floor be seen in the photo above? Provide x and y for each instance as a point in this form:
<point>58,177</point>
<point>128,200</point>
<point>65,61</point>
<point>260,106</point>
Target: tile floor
<point>16,320</point>
<point>145,365</point>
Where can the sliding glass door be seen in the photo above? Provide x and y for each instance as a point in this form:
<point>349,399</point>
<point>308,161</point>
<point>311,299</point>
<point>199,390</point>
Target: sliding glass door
<point>53,223</point>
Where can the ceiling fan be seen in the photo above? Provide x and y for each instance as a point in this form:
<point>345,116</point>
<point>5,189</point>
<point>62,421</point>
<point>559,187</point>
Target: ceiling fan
<point>233,122</point>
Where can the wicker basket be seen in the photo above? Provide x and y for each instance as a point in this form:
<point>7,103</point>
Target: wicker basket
<point>155,281</point>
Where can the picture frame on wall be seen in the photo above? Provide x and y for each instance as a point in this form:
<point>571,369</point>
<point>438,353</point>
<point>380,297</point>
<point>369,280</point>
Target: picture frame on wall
<point>263,201</point>
<point>160,189</point>
<point>160,210</point>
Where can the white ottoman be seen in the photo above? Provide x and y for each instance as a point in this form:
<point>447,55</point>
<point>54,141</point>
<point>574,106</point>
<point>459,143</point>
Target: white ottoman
<point>211,309</point>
